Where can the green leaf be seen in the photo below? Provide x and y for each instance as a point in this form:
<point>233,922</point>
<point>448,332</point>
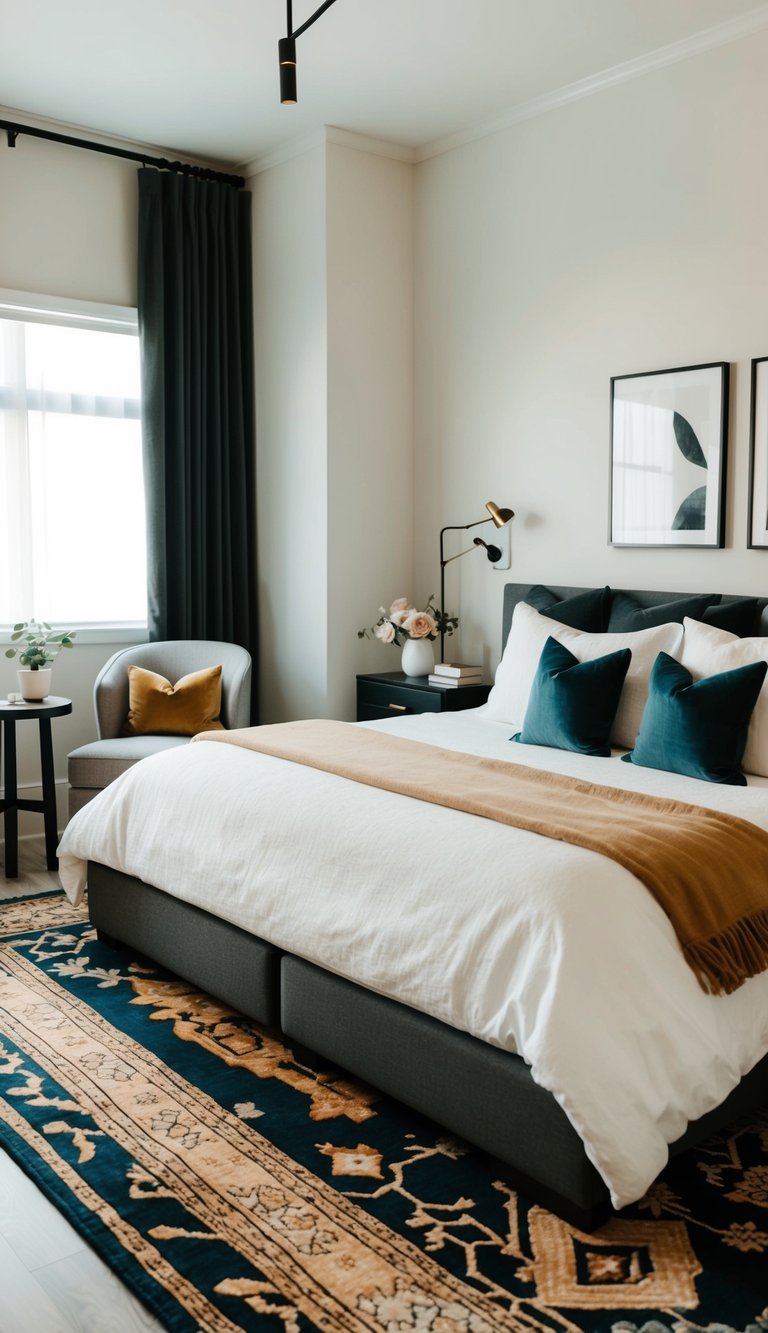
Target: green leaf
<point>687,441</point>
<point>691,516</point>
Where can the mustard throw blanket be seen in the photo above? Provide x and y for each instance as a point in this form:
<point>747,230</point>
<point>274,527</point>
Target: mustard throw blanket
<point>707,870</point>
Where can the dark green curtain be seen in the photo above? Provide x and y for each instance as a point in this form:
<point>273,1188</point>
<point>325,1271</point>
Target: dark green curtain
<point>196,333</point>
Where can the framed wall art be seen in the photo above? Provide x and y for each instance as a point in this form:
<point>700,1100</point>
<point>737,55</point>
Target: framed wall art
<point>757,528</point>
<point>668,452</point>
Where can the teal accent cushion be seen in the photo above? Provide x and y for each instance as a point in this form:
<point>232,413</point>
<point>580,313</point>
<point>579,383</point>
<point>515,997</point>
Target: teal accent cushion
<point>585,610</point>
<point>628,615</point>
<point>572,704</point>
<point>698,728</point>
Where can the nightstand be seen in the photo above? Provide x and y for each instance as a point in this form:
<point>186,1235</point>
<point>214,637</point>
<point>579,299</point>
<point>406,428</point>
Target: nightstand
<point>391,694</point>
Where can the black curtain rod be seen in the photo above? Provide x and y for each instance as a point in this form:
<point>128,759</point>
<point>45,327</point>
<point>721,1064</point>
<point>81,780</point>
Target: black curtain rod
<point>13,130</point>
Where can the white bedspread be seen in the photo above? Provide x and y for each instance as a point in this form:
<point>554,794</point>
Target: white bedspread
<point>528,943</point>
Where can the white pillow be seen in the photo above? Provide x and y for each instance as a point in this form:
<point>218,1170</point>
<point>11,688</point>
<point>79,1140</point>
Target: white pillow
<point>530,630</point>
<point>706,652</point>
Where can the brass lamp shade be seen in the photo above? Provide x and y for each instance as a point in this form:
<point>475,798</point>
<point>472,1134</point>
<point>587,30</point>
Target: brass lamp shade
<point>500,516</point>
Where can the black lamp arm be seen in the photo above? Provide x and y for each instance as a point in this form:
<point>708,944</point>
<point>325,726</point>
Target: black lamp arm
<point>320,10</point>
<point>452,527</point>
<point>462,527</point>
<point>449,558</point>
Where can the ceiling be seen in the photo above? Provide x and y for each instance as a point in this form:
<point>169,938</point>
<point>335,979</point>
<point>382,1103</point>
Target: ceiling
<point>199,77</point>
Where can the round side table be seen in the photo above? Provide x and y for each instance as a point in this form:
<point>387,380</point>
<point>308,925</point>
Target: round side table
<point>10,805</point>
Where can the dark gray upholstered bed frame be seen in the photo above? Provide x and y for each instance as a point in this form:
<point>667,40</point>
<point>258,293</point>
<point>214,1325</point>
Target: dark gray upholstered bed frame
<point>477,1091</point>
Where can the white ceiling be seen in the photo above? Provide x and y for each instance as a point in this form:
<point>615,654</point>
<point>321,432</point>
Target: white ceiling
<point>199,77</point>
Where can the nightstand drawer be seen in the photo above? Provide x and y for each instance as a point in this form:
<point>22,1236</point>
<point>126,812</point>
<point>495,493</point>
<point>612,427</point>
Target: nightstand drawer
<point>391,694</point>
<point>377,699</point>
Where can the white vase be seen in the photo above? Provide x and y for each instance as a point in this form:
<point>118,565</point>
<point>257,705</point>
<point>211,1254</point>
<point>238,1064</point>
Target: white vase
<point>418,657</point>
<point>34,685</point>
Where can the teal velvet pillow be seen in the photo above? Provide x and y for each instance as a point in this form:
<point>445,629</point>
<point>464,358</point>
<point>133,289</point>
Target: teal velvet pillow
<point>586,611</point>
<point>572,704</point>
<point>627,615</point>
<point>698,728</point>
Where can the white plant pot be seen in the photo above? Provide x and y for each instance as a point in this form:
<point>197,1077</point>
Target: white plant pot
<point>418,657</point>
<point>34,685</point>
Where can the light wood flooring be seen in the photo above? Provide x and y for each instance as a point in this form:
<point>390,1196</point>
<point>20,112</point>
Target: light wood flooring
<point>51,1281</point>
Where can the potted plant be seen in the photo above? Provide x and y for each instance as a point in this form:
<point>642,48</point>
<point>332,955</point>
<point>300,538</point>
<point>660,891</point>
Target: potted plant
<point>41,645</point>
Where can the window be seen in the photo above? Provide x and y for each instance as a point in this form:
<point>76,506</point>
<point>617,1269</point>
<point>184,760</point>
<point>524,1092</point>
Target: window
<point>72,528</point>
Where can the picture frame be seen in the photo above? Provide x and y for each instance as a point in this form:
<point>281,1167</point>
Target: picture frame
<point>757,521</point>
<point>668,456</point>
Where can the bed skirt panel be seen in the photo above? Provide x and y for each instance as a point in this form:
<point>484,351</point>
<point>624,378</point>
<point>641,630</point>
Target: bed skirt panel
<point>477,1091</point>
<point>236,967</point>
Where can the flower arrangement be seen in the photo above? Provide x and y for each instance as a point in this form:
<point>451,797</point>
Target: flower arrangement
<point>41,644</point>
<point>403,621</point>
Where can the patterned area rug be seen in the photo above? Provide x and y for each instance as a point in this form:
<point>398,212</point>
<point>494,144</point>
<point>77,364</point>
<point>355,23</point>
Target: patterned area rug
<point>231,1188</point>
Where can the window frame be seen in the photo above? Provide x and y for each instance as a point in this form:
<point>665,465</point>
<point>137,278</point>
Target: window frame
<point>69,312</point>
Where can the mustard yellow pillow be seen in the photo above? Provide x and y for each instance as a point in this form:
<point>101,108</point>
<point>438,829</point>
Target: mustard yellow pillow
<point>157,708</point>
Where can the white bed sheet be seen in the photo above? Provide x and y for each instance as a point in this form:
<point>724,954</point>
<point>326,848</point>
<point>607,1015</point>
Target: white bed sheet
<point>528,943</point>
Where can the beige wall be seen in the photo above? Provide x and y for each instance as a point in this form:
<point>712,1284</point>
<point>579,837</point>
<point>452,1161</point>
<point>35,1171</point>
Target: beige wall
<point>622,233</point>
<point>67,228</point>
<point>290,328</point>
<point>334,356</point>
<point>67,222</point>
<point>370,408</point>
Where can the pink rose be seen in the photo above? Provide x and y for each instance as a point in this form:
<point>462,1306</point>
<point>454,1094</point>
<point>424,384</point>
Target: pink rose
<point>419,625</point>
<point>397,617</point>
<point>399,604</point>
<point>385,632</point>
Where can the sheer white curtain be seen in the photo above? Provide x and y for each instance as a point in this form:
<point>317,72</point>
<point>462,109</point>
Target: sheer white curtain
<point>15,519</point>
<point>72,525</point>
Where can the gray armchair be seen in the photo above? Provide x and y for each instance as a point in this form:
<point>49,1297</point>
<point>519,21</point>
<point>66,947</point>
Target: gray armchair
<point>92,767</point>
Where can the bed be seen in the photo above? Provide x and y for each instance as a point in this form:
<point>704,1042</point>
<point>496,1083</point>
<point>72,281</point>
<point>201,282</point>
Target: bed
<point>349,962</point>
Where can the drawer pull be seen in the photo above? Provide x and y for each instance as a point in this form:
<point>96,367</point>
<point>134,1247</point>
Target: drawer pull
<point>398,708</point>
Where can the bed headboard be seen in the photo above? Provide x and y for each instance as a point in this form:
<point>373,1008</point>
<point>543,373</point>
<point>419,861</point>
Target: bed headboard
<point>517,592</point>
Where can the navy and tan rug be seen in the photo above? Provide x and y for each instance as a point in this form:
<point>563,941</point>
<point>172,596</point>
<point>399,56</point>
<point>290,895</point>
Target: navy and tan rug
<point>231,1188</point>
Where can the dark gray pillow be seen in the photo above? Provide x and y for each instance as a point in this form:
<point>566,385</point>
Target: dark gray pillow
<point>627,615</point>
<point>737,616</point>
<point>586,611</point>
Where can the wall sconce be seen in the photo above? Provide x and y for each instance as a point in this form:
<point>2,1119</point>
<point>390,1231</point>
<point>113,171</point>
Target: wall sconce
<point>499,517</point>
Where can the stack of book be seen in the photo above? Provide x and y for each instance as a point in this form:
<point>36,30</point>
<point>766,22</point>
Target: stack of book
<point>452,674</point>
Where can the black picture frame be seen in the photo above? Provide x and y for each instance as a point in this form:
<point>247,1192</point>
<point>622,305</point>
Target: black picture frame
<point>669,435</point>
<point>757,517</point>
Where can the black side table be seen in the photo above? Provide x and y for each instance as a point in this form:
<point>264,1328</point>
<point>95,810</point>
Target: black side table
<point>10,714</point>
<point>390,694</point>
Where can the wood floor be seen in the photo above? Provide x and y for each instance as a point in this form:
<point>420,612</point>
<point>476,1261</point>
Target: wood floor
<point>50,1279</point>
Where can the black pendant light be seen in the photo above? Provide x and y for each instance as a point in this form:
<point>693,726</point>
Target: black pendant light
<point>286,51</point>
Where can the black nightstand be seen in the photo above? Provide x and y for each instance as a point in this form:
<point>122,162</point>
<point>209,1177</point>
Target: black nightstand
<point>390,694</point>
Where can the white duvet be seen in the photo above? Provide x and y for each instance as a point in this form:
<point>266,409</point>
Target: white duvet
<point>531,944</point>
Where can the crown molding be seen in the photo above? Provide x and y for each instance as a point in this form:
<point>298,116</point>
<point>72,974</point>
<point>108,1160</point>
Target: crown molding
<point>708,39</point>
<point>303,143</point>
<point>362,143</point>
